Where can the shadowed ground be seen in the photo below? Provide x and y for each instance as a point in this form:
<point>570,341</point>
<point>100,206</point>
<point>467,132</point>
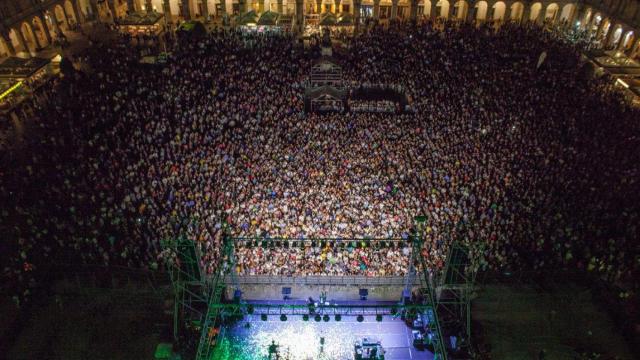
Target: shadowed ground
<point>519,321</point>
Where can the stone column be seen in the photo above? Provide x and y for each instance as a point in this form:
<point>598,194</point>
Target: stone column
<point>22,41</point>
<point>356,9</point>
<point>35,37</point>
<point>186,10</point>
<point>600,29</point>
<point>621,41</point>
<point>541,13</point>
<point>54,22</point>
<point>8,43</point>
<point>45,28</point>
<point>576,13</point>
<point>223,7</point>
<point>414,10</point>
<point>112,8</point>
<point>94,9</point>
<point>471,13</point>
<point>205,10</point>
<point>507,11</point>
<point>76,12</point>
<point>609,37</point>
<point>338,9</point>
<point>394,9</point>
<point>526,13</point>
<point>300,15</point>
<point>635,47</point>
<point>376,9</point>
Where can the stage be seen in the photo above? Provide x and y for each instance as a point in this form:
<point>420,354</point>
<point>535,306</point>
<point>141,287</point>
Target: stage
<point>250,338</point>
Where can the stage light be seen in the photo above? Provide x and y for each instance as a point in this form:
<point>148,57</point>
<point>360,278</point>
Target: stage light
<point>378,317</point>
<point>283,317</point>
<point>317,318</point>
<point>325,318</point>
<point>263,317</point>
<point>360,318</point>
<point>305,317</point>
<point>250,309</point>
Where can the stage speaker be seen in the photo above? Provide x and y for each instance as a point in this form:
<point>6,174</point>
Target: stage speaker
<point>363,294</point>
<point>286,292</point>
<point>237,295</point>
<point>406,296</point>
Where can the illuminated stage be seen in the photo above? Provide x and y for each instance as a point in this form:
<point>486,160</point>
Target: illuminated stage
<point>251,337</point>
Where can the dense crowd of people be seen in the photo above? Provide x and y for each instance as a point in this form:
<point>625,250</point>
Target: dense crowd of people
<point>530,167</point>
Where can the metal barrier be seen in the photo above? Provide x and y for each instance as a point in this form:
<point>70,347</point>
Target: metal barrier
<point>319,280</point>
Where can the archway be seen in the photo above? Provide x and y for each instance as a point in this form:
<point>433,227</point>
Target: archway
<point>617,36</point>
<point>443,5</point>
<point>60,17</point>
<point>29,37</point>
<point>174,7</point>
<point>39,31</point>
<point>13,37</point>
<point>48,22</point>
<point>567,11</point>
<point>627,40</point>
<point>426,8</point>
<point>481,10</point>
<point>535,12</point>
<point>462,9</point>
<point>551,12</point>
<point>68,7</point>
<point>4,48</point>
<point>516,11</point>
<point>499,10</point>
<point>84,7</point>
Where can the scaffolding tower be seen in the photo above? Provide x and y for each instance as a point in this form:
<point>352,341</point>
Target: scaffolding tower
<point>188,282</point>
<point>455,291</point>
<point>212,328</point>
<point>427,294</point>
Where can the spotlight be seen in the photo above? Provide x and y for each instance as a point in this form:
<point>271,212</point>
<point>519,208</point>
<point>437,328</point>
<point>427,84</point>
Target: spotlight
<point>305,317</point>
<point>360,318</point>
<point>325,318</point>
<point>338,317</point>
<point>263,317</point>
<point>317,318</point>
<point>283,317</point>
<point>378,318</point>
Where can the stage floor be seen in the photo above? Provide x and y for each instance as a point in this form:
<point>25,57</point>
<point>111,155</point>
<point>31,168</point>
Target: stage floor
<point>301,339</point>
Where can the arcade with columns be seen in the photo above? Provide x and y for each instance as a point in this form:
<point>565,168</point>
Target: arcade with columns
<point>29,25</point>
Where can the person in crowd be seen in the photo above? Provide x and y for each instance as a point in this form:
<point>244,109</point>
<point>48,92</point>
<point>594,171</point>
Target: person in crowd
<point>529,167</point>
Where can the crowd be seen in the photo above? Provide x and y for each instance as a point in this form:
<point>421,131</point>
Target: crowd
<point>531,167</point>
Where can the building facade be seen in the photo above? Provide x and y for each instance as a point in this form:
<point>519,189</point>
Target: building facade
<point>28,25</point>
